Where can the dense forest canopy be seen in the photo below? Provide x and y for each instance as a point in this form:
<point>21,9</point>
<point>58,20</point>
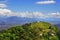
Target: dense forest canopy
<point>31,31</point>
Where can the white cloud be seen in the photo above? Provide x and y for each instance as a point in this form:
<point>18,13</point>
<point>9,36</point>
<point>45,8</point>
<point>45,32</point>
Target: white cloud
<point>38,15</point>
<point>30,14</point>
<point>46,2</point>
<point>3,6</point>
<point>6,12</point>
<point>54,15</point>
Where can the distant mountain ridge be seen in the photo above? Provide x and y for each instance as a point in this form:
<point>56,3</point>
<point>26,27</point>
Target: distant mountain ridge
<point>22,20</point>
<point>14,20</point>
<point>58,25</point>
<point>17,20</point>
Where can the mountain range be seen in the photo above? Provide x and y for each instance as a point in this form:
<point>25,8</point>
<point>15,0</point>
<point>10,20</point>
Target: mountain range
<point>5,22</point>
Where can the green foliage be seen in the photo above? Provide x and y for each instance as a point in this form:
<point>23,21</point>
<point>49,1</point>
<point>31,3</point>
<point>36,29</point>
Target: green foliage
<point>31,31</point>
<point>58,33</point>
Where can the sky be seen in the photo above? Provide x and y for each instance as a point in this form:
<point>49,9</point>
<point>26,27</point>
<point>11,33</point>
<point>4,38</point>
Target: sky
<point>33,5</point>
<point>45,9</point>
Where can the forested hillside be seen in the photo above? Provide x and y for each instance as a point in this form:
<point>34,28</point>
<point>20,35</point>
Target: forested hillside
<point>31,31</point>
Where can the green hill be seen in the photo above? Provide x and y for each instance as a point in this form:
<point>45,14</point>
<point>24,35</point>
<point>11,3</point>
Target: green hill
<point>31,31</point>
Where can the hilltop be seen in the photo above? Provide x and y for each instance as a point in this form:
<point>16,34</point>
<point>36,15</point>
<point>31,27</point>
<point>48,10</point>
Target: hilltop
<point>30,31</point>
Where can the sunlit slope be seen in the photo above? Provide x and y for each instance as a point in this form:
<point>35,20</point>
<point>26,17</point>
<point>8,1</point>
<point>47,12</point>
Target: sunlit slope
<point>31,31</point>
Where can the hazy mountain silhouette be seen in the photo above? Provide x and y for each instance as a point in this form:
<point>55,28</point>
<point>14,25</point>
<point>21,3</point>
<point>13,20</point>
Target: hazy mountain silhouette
<point>14,20</point>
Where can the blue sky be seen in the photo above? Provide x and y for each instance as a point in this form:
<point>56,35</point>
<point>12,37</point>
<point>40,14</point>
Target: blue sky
<point>30,5</point>
<point>45,9</point>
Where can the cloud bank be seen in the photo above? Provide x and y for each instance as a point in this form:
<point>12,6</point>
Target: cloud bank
<point>8,13</point>
<point>46,2</point>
